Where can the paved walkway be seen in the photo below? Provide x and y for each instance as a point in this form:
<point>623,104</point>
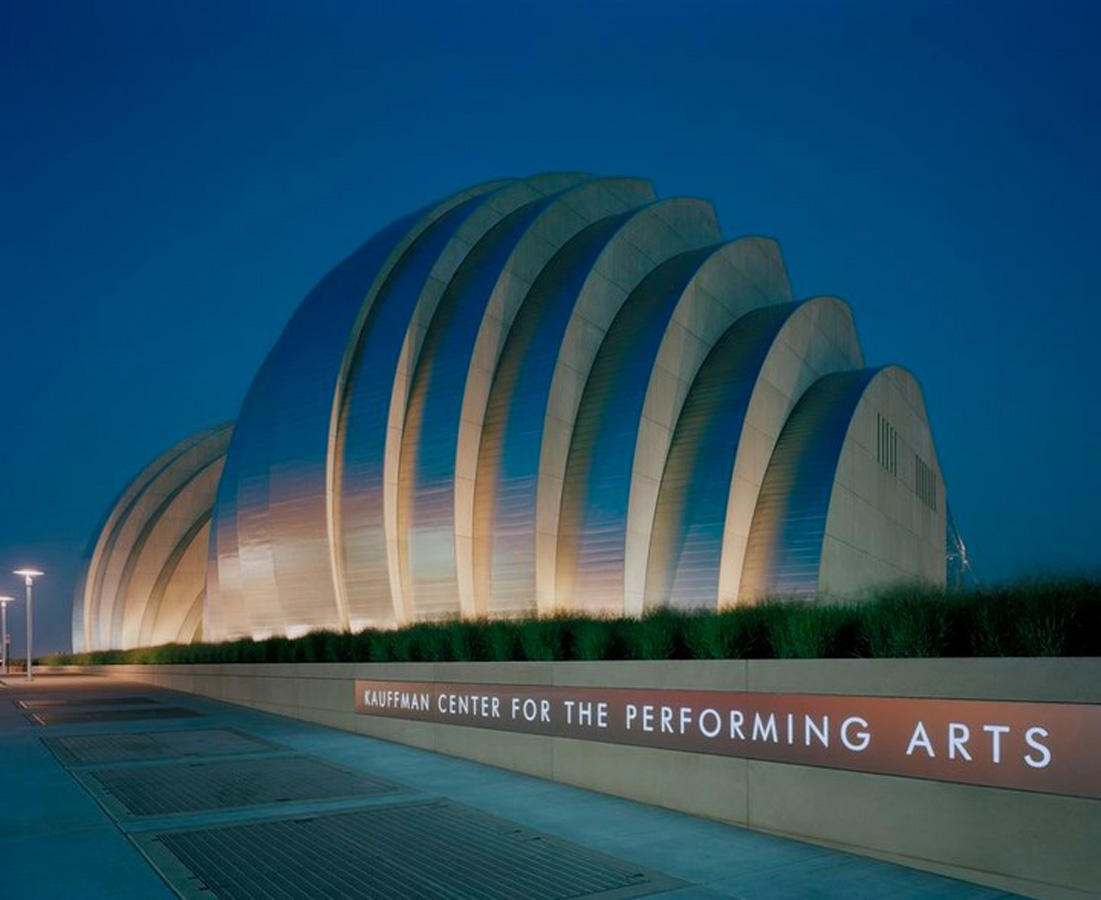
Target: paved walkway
<point>83,816</point>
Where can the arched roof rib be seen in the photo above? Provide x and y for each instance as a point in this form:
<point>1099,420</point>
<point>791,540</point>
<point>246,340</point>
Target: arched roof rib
<point>632,399</point>
<point>163,617</point>
<point>451,384</point>
<point>91,587</point>
<point>138,550</point>
<point>368,437</point>
<point>789,523</point>
<point>538,386</point>
<point>153,548</point>
<point>270,538</point>
<point>741,396</point>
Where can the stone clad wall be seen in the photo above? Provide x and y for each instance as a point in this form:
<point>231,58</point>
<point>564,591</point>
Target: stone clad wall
<point>1043,845</point>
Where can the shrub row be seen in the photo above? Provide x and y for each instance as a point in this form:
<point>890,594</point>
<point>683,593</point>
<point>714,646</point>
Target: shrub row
<point>1061,618</point>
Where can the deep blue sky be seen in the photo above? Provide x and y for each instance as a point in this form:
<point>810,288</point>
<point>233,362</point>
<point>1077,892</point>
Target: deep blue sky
<point>175,177</point>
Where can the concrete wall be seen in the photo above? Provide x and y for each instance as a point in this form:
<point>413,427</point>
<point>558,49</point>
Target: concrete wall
<point>1041,845</point>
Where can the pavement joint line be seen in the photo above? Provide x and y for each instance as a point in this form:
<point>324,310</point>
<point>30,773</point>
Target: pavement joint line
<point>269,812</point>
<point>125,700</point>
<point>93,717</point>
<point>193,759</point>
<point>164,723</point>
<point>67,755</point>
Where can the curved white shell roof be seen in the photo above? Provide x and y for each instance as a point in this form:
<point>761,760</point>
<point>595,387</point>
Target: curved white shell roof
<point>548,393</point>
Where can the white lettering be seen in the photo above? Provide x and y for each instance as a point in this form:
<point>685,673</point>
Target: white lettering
<point>711,732</point>
<point>736,722</point>
<point>958,735</point>
<point>667,719</point>
<point>1045,753</point>
<point>920,738</point>
<point>395,699</point>
<point>685,718</point>
<point>863,737</point>
<point>761,731</point>
<point>478,706</point>
<point>809,728</point>
<point>996,732</point>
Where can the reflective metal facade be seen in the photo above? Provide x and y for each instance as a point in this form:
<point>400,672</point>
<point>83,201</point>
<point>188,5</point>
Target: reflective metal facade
<point>556,392</point>
<point>725,437</point>
<point>789,524</point>
<point>271,558</point>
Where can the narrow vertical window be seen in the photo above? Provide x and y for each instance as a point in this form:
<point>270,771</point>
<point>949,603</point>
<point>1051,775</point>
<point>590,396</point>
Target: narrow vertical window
<point>925,482</point>
<point>886,445</point>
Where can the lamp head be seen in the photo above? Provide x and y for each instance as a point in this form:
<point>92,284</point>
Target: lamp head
<point>29,575</point>
<point>4,601</point>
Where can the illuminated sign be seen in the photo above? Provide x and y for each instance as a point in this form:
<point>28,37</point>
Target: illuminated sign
<point>1047,747</point>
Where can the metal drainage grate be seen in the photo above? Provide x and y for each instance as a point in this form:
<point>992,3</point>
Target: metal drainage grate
<point>111,748</point>
<point>224,784</point>
<point>82,716</point>
<point>85,701</point>
<point>422,850</point>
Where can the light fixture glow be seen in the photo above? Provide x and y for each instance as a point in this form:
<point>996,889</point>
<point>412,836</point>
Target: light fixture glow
<point>29,575</point>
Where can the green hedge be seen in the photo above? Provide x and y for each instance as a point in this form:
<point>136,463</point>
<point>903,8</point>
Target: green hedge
<point>1056,618</point>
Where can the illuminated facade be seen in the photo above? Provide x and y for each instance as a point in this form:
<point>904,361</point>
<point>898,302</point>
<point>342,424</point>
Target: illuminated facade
<point>541,394</point>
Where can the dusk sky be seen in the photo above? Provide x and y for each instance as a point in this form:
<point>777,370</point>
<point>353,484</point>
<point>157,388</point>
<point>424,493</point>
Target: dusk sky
<point>176,176</point>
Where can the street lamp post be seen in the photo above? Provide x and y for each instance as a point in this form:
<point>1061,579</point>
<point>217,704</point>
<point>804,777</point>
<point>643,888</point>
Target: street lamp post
<point>4,601</point>
<point>29,575</point>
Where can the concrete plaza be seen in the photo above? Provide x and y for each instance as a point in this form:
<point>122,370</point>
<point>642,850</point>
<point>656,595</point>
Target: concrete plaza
<point>132,779</point>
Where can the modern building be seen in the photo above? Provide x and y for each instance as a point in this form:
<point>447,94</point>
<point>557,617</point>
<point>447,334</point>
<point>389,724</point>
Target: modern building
<point>550,393</point>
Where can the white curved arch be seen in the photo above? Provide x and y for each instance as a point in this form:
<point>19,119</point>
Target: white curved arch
<point>537,388</point>
<point>367,441</point>
<point>175,603</point>
<point>840,509</point>
<point>737,406</point>
<point>403,417</point>
<point>153,562</point>
<point>86,622</point>
<point>136,556</point>
<point>271,549</point>
<point>722,284</point>
<point>819,338</point>
<point>452,379</point>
